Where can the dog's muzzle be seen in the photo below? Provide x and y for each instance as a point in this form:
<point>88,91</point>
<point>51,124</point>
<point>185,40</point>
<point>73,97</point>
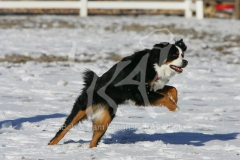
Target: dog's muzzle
<point>184,63</point>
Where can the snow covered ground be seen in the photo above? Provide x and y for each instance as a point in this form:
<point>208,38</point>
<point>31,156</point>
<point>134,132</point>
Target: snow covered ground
<point>36,98</point>
<point>98,37</point>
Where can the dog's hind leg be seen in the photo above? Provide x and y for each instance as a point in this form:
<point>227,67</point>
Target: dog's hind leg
<point>80,109</point>
<point>100,125</point>
<point>72,120</point>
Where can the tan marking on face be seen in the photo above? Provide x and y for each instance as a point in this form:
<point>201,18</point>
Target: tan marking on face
<point>169,62</point>
<point>172,60</point>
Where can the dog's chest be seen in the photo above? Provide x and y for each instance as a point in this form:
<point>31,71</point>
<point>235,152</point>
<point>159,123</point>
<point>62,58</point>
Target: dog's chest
<point>164,74</point>
<point>160,84</point>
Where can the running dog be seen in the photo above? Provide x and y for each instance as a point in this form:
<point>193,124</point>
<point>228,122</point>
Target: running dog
<point>141,77</point>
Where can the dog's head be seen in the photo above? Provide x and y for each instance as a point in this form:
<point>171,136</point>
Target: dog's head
<point>170,56</point>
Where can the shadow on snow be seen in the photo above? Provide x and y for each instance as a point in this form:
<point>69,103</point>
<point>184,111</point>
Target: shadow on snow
<point>195,139</point>
<point>17,123</point>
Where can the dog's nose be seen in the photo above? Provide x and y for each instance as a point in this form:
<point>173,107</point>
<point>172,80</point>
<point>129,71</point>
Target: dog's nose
<point>185,62</point>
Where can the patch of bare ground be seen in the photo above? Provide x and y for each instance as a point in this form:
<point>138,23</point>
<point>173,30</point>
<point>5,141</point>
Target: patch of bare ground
<point>233,40</point>
<point>24,59</point>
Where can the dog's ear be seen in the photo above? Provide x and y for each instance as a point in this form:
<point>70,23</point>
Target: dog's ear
<point>160,52</point>
<point>181,44</point>
<point>160,45</point>
<point>154,55</point>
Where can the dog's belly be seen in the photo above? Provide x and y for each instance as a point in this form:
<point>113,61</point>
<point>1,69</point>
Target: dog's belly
<point>160,84</point>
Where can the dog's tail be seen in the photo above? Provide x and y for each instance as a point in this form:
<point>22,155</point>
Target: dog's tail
<point>79,110</point>
<point>89,77</point>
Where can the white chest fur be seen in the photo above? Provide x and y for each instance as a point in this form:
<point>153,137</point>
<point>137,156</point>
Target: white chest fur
<point>160,84</point>
<point>164,73</point>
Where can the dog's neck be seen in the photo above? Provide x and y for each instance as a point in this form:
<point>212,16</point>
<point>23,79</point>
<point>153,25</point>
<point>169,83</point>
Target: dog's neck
<point>164,74</point>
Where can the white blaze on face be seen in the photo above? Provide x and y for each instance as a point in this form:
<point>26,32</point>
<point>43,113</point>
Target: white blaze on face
<point>179,49</point>
<point>178,62</point>
<point>165,72</point>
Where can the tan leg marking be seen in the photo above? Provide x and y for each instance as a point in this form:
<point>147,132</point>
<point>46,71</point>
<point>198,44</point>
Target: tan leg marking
<point>169,100</point>
<point>99,127</point>
<point>76,119</point>
<point>151,83</point>
<point>170,91</point>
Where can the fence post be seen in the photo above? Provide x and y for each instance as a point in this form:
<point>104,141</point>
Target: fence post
<point>237,9</point>
<point>188,8</point>
<point>84,8</point>
<point>199,9</point>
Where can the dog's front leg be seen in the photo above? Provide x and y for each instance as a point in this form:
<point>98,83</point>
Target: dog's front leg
<point>170,91</point>
<point>160,99</point>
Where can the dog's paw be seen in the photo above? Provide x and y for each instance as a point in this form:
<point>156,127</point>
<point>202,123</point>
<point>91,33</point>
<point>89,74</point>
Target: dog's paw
<point>172,106</point>
<point>176,109</point>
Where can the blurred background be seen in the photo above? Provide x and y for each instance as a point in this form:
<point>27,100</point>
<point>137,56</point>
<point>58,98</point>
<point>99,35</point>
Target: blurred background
<point>52,27</point>
<point>212,8</point>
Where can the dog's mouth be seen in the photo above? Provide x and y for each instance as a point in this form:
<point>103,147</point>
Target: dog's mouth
<point>176,68</point>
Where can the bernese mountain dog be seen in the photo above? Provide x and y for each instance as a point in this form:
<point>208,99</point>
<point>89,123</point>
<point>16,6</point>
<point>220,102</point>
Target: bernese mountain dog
<point>141,78</point>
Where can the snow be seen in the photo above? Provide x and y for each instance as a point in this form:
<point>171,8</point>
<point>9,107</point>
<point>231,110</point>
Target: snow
<point>37,97</point>
<point>36,36</point>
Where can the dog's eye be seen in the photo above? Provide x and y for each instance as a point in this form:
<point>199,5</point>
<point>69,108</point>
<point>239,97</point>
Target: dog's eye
<point>182,55</point>
<point>175,55</point>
